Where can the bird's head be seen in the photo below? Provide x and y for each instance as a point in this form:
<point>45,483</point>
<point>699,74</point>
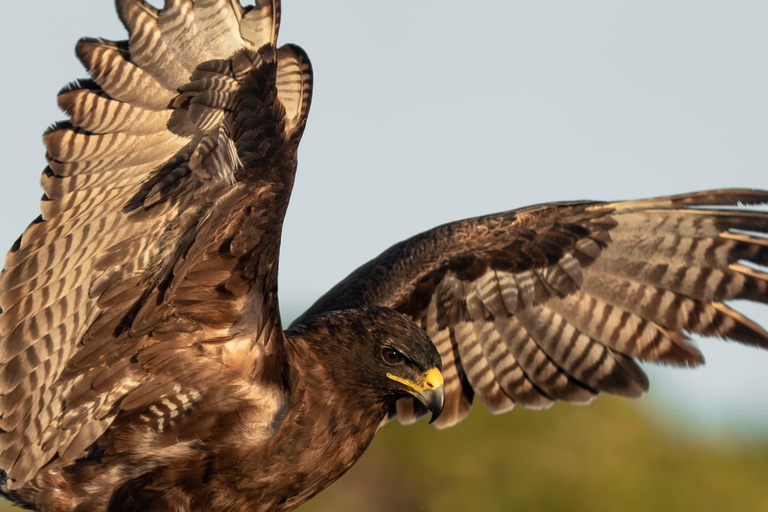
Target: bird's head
<point>380,353</point>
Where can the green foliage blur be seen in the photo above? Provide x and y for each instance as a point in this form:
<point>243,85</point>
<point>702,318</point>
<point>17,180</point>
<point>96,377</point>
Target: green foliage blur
<point>610,456</point>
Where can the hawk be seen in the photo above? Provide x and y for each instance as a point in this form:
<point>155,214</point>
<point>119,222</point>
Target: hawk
<point>143,362</point>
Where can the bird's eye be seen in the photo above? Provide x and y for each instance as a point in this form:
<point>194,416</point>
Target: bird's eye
<point>391,356</point>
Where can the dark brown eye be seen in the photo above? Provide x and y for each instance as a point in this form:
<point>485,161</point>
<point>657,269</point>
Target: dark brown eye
<point>391,356</point>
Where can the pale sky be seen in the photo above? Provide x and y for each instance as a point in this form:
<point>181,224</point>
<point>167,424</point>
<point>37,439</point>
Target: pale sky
<point>431,111</point>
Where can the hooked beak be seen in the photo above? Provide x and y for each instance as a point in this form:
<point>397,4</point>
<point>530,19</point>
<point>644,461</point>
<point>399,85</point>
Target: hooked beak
<point>430,392</point>
<point>433,400</point>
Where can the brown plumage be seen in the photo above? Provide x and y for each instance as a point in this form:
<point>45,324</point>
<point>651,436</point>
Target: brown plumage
<point>143,364</point>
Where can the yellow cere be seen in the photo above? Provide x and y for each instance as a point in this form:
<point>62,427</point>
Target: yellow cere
<point>433,379</point>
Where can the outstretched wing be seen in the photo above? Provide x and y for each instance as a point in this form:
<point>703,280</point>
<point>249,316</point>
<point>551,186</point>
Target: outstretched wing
<point>556,302</point>
<point>151,273</point>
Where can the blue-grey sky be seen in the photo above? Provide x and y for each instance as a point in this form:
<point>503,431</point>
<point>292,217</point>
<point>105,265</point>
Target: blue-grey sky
<point>431,111</point>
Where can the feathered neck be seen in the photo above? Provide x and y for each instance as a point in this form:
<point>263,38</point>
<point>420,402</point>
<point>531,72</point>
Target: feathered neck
<point>326,429</point>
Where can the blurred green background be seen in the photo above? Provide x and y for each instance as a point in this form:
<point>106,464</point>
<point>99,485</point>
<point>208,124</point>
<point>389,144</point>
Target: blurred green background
<point>612,455</point>
<point>609,456</point>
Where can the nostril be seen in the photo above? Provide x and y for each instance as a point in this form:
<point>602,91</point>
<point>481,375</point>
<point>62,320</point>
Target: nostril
<point>433,379</point>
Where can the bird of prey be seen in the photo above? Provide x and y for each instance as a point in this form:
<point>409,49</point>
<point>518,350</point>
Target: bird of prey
<point>143,363</point>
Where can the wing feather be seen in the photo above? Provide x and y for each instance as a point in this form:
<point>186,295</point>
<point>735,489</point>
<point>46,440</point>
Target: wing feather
<point>218,24</point>
<point>261,24</point>
<point>96,113</point>
<point>111,68</point>
<point>556,302</point>
<point>165,194</point>
<point>147,44</point>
